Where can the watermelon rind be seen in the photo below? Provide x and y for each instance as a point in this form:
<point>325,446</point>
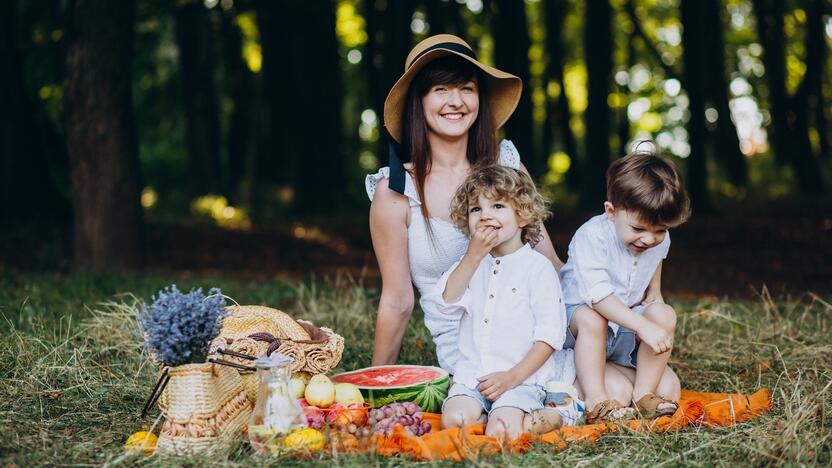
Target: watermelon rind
<point>428,395</point>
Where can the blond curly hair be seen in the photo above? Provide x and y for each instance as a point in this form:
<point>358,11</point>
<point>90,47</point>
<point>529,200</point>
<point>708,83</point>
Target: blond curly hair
<point>502,183</point>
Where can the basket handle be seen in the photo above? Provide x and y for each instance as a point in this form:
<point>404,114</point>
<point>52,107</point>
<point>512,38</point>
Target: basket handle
<point>157,392</point>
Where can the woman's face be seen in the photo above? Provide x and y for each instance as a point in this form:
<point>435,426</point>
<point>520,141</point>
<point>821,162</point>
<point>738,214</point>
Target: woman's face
<point>451,109</point>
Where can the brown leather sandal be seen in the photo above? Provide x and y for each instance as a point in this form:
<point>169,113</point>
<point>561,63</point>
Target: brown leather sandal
<point>606,410</point>
<point>648,406</point>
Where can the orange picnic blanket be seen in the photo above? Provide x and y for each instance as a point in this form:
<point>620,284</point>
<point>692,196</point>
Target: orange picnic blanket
<point>695,408</point>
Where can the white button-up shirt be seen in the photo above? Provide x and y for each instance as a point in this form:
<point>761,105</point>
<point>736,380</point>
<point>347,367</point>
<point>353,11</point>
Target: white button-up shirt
<point>600,265</point>
<point>511,302</point>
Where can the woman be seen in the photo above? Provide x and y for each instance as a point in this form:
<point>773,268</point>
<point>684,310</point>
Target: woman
<point>444,111</point>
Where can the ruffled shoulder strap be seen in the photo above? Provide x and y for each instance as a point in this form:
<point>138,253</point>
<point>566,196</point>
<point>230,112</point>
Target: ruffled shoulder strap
<point>509,156</point>
<point>372,180</point>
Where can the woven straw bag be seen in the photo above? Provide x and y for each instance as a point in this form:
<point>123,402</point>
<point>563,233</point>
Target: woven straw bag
<point>206,407</point>
<point>314,350</point>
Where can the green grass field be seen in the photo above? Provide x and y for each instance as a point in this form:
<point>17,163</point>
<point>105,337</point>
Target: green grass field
<point>73,376</point>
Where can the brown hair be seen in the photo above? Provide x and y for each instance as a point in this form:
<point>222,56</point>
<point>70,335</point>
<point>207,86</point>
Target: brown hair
<point>502,183</point>
<point>482,143</point>
<point>649,186</point>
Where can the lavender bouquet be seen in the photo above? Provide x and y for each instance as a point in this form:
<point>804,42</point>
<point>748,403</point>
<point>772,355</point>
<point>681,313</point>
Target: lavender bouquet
<point>179,327</point>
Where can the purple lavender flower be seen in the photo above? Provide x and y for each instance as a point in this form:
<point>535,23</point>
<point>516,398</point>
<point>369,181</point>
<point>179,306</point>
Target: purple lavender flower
<point>179,327</point>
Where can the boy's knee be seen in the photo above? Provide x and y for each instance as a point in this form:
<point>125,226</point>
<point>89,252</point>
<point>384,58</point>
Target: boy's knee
<point>589,321</point>
<point>662,315</point>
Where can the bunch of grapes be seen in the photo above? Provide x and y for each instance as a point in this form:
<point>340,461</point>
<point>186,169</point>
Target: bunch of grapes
<point>407,414</point>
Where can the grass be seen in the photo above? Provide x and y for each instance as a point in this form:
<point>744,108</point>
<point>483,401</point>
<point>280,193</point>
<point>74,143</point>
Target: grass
<point>73,375</point>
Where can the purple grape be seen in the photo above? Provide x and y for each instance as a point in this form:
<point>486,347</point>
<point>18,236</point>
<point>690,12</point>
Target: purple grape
<point>389,412</point>
<point>411,407</point>
<point>426,427</point>
<point>419,415</point>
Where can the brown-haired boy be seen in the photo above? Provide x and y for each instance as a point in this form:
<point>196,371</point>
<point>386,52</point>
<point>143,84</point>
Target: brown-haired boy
<point>612,290</point>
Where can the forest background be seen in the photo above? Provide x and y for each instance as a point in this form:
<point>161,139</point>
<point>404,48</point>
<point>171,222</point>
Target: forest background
<point>234,135</point>
<point>225,143</point>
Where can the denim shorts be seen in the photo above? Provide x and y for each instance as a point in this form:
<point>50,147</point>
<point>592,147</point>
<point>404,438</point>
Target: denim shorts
<point>621,347</point>
<point>525,397</point>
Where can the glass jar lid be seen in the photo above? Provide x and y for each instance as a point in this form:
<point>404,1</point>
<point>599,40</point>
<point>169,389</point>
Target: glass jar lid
<point>275,360</point>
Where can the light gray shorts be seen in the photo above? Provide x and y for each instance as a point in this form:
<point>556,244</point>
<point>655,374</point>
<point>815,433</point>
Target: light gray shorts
<point>524,397</point>
<point>621,347</point>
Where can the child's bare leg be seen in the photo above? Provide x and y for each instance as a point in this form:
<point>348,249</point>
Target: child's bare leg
<point>669,386</point>
<point>542,421</point>
<point>590,330</point>
<point>461,411</point>
<point>619,385</point>
<point>651,366</point>
<point>505,423</point>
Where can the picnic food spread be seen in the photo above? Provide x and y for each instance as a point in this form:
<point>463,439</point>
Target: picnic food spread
<point>261,372</point>
<point>426,386</point>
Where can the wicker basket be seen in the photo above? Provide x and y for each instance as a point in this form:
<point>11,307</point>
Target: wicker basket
<point>206,407</point>
<point>314,350</point>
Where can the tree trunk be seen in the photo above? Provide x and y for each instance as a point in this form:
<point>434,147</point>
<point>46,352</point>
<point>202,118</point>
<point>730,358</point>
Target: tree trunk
<point>241,87</point>
<point>727,143</point>
<point>316,80</point>
<point>101,137</point>
<point>444,18</point>
<point>693,29</point>
<point>789,129</point>
<point>624,126</point>
<point>27,144</point>
<point>558,114</point>
<point>196,55</point>
<point>598,58</point>
<point>511,54</point>
<point>277,146</point>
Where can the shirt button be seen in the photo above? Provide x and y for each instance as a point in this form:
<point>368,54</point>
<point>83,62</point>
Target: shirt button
<point>486,320</point>
<point>495,272</point>
<point>497,261</point>
<point>491,296</point>
<point>514,290</point>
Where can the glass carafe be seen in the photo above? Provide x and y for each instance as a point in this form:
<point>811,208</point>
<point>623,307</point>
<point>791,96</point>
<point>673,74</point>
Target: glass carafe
<point>276,413</point>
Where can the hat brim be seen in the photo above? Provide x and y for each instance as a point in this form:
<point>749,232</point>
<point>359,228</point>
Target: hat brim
<point>504,90</point>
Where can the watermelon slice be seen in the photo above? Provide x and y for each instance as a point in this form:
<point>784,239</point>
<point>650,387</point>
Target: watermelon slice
<point>427,386</point>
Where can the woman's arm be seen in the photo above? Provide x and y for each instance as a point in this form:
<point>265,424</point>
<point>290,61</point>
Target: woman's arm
<point>388,228</point>
<point>545,245</point>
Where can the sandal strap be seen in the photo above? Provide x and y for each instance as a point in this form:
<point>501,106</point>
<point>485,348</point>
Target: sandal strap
<point>648,406</point>
<point>602,410</point>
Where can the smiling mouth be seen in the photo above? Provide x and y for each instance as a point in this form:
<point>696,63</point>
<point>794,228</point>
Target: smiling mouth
<point>453,116</point>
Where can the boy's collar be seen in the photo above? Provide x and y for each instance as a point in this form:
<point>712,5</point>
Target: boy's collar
<point>507,257</point>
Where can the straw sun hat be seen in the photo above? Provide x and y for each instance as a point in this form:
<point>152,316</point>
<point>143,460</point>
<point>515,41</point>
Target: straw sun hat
<point>504,88</point>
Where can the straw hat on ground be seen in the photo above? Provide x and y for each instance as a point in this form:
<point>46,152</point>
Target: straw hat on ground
<point>504,88</point>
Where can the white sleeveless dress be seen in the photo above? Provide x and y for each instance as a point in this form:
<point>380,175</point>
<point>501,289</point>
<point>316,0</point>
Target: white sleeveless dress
<point>430,258</point>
